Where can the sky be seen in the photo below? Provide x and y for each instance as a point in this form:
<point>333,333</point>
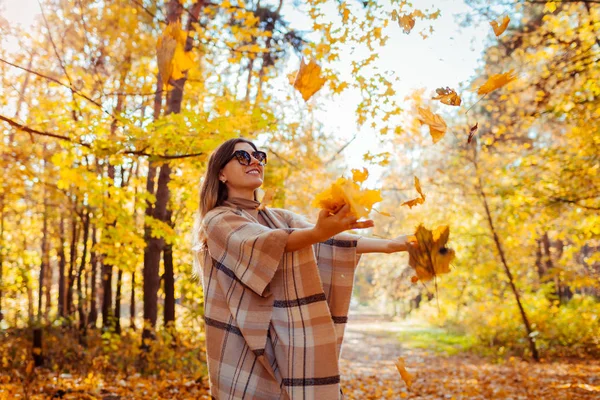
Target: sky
<point>448,57</point>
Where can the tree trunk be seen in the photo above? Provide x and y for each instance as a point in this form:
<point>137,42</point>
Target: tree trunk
<point>81,299</point>
<point>93,317</point>
<point>169,283</point>
<point>118,301</point>
<point>72,261</point>
<point>1,251</point>
<point>62,262</point>
<point>132,303</point>
<point>511,281</point>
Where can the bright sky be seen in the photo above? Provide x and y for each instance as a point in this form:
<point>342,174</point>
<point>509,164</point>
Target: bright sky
<point>447,58</point>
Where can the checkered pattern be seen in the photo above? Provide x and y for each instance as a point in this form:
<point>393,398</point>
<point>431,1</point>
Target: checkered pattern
<point>274,320</point>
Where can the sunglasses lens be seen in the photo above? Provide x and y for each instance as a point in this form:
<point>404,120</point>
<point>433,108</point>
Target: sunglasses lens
<point>261,156</point>
<point>243,157</point>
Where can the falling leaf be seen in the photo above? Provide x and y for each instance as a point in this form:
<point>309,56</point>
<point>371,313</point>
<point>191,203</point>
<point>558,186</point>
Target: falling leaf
<point>430,257</point>
<point>344,191</point>
<point>447,96</point>
<point>267,198</point>
<point>500,28</point>
<point>172,59</point>
<point>406,21</point>
<point>359,176</point>
<point>496,81</point>
<point>418,200</point>
<point>472,132</point>
<point>437,126</point>
<point>308,80</point>
<point>406,376</point>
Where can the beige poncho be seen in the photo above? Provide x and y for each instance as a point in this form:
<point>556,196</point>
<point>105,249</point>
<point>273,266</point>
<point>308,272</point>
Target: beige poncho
<point>274,320</point>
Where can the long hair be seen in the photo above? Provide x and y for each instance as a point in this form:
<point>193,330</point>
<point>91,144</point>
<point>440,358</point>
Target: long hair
<point>213,193</point>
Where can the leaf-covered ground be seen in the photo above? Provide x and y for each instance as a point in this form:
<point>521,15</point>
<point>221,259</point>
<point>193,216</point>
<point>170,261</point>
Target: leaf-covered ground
<point>372,344</point>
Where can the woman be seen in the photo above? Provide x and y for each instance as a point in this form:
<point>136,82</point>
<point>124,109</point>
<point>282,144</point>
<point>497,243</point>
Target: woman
<point>277,288</point>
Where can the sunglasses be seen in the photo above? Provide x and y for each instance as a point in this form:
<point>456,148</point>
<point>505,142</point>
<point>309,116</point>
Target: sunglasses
<point>244,158</point>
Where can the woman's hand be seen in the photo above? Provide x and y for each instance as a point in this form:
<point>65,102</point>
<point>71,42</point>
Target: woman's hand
<point>401,243</point>
<point>329,225</point>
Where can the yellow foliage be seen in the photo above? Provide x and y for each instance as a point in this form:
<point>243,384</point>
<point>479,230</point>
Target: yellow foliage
<point>418,200</point>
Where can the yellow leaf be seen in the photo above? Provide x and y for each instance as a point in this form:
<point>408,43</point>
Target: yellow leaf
<point>308,79</point>
<point>359,176</point>
<point>344,191</point>
<point>447,96</point>
<point>496,81</point>
<point>267,198</point>
<point>406,21</point>
<point>430,257</point>
<point>437,126</point>
<point>172,59</point>
<point>418,200</point>
<point>406,376</point>
<point>500,28</point>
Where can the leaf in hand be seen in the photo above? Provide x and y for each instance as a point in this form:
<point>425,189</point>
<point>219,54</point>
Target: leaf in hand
<point>308,80</point>
<point>437,126</point>
<point>418,200</point>
<point>447,96</point>
<point>500,28</point>
<point>344,191</point>
<point>496,81</point>
<point>406,376</point>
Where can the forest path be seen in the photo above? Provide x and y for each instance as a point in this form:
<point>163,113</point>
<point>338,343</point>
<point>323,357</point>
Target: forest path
<point>372,343</point>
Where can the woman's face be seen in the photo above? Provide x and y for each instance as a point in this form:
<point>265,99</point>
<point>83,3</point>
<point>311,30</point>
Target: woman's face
<point>242,177</point>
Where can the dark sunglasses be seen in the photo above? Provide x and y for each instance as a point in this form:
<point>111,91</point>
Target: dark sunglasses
<point>244,158</point>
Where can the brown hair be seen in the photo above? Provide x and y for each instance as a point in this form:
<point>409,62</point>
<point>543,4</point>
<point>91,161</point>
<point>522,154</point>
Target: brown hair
<point>213,192</point>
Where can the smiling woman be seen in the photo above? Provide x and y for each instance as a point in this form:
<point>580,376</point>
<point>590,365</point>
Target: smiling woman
<point>276,288</point>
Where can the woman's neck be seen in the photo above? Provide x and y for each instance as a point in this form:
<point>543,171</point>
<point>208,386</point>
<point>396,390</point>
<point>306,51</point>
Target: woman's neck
<point>247,194</point>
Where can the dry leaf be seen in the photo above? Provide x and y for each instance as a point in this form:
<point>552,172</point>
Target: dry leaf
<point>418,200</point>
<point>430,257</point>
<point>437,126</point>
<point>308,80</point>
<point>496,81</point>
<point>172,59</point>
<point>406,21</point>
<point>447,96</point>
<point>500,28</point>
<point>472,132</point>
<point>359,176</point>
<point>266,199</point>
<point>344,191</point>
<point>406,376</point>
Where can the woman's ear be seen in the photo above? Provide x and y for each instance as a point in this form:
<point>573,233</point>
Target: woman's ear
<point>222,177</point>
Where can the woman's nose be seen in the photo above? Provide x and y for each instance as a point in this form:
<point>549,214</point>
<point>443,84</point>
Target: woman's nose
<point>254,160</point>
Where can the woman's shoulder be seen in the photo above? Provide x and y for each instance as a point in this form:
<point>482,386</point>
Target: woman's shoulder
<point>218,213</point>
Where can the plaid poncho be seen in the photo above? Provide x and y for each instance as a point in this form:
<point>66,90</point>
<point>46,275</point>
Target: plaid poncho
<point>274,320</point>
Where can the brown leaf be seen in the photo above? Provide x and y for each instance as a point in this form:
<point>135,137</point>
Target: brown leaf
<point>472,132</point>
<point>447,96</point>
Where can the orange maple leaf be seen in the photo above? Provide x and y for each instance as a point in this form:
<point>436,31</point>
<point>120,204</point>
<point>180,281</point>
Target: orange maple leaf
<point>430,257</point>
<point>437,126</point>
<point>308,80</point>
<point>418,200</point>
<point>406,21</point>
<point>406,376</point>
<point>359,176</point>
<point>500,28</point>
<point>496,82</point>
<point>447,96</point>
<point>344,191</point>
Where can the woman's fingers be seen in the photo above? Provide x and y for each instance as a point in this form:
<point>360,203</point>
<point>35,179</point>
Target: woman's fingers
<point>362,224</point>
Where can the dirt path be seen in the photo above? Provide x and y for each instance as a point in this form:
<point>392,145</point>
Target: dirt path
<point>368,372</point>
